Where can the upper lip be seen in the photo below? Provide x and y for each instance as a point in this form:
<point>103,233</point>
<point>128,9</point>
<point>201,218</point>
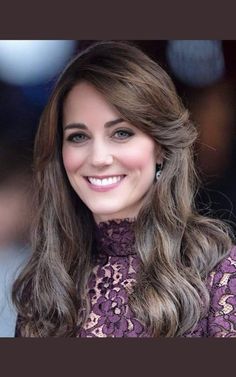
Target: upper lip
<point>104,176</point>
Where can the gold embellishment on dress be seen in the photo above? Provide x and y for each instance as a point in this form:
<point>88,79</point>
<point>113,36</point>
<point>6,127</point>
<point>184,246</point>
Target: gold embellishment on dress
<point>211,278</point>
<point>225,333</point>
<point>224,279</point>
<point>232,329</point>
<point>232,261</point>
<point>227,308</point>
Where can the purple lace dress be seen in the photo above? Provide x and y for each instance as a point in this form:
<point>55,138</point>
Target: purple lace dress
<point>113,278</point>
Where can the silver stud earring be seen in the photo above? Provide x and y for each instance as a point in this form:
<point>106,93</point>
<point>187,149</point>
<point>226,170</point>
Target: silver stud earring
<point>158,171</point>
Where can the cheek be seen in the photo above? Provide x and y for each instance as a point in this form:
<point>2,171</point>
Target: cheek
<point>72,161</point>
<point>140,157</point>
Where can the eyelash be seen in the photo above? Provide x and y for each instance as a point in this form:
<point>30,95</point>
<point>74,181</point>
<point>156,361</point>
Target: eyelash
<point>127,132</point>
<point>72,137</point>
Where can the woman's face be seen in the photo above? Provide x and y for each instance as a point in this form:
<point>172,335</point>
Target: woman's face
<point>110,163</point>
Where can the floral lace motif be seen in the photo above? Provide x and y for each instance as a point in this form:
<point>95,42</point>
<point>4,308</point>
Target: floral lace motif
<point>114,276</point>
<point>110,285</point>
<point>112,281</point>
<point>115,237</point>
<point>222,315</point>
<point>221,319</point>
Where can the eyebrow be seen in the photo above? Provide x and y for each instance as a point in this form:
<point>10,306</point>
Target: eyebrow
<point>82,126</point>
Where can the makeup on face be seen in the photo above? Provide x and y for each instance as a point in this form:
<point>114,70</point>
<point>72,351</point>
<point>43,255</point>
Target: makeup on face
<point>109,162</point>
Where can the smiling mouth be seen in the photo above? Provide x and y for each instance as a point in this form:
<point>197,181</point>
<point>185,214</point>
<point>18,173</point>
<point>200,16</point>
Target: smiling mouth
<point>107,181</point>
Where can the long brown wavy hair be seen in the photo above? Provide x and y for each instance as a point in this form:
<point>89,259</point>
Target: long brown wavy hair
<point>177,246</point>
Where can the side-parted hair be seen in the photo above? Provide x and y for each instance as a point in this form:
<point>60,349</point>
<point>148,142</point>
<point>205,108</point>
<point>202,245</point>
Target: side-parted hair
<point>178,247</point>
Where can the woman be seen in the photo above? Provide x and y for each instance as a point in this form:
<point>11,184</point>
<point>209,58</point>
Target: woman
<point>119,249</point>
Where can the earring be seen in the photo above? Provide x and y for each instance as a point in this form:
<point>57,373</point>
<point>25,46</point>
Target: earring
<point>158,170</point>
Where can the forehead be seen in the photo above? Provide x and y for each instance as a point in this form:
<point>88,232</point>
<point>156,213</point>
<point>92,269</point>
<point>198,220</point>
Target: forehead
<point>85,103</point>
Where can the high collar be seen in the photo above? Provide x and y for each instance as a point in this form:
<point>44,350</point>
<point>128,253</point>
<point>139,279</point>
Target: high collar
<point>115,237</point>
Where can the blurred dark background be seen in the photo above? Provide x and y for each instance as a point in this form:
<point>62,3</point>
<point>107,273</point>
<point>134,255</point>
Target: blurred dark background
<point>204,72</point>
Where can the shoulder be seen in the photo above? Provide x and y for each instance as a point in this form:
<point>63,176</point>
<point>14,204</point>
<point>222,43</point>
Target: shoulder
<point>222,286</point>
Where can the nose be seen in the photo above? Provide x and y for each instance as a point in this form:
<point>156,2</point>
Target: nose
<point>100,154</point>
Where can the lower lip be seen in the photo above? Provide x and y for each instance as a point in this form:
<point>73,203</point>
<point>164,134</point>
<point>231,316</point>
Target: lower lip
<point>104,188</point>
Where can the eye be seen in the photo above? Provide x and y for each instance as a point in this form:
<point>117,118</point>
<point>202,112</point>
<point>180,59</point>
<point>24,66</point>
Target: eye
<point>123,134</point>
<point>77,138</point>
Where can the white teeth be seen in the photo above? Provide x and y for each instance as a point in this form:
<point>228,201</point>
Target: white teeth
<point>105,181</point>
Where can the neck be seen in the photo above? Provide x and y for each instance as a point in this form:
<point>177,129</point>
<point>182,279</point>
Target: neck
<point>106,218</point>
<point>115,237</point>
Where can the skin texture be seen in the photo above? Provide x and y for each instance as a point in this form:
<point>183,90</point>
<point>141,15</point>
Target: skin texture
<point>98,150</point>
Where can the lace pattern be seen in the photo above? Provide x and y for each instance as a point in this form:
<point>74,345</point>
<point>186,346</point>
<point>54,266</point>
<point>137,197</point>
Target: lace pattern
<point>114,276</point>
<point>222,315</point>
<point>110,285</point>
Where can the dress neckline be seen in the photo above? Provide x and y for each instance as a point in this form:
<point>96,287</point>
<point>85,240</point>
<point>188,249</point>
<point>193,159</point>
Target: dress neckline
<point>115,237</point>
